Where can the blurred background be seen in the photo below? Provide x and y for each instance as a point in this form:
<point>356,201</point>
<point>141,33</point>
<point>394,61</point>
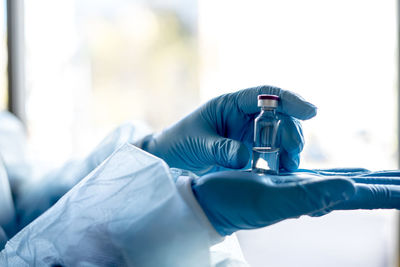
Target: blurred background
<point>90,65</point>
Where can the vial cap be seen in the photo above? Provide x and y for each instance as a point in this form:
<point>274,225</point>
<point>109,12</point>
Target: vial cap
<point>270,101</point>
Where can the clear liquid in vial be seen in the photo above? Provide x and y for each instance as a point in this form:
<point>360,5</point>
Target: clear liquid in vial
<point>265,160</point>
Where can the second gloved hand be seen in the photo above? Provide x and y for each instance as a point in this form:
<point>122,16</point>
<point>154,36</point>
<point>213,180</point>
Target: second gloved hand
<point>220,133</point>
<point>236,200</point>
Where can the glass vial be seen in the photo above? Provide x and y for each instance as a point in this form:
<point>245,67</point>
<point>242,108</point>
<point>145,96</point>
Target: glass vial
<point>266,144</point>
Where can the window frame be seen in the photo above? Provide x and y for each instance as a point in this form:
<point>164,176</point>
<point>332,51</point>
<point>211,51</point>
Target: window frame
<point>16,60</point>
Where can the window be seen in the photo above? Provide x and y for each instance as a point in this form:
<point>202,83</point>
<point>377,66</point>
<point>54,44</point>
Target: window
<point>101,63</point>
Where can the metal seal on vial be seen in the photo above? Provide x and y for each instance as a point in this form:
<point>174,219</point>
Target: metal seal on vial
<point>269,101</point>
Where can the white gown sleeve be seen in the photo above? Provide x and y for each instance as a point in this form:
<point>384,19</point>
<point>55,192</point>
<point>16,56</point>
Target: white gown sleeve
<point>127,212</point>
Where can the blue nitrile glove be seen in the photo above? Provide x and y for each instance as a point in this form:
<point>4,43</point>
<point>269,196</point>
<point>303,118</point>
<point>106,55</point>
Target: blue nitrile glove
<point>220,133</point>
<point>374,190</point>
<point>235,200</point>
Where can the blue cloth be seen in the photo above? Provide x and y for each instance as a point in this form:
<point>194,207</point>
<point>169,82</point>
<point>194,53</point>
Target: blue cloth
<point>236,200</point>
<point>220,132</point>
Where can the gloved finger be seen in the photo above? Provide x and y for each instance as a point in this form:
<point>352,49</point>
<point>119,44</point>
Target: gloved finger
<point>377,180</point>
<point>374,196</point>
<point>247,134</point>
<point>227,153</point>
<point>291,135</point>
<point>291,143</point>
<point>390,173</point>
<point>310,196</point>
<point>290,103</point>
<point>380,177</point>
<point>347,172</point>
<point>289,161</point>
<point>321,212</point>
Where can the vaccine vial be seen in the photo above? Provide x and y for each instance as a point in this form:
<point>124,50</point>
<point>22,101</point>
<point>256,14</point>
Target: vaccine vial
<point>266,144</point>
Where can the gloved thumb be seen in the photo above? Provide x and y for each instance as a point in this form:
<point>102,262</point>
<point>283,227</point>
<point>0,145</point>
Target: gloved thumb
<point>228,153</point>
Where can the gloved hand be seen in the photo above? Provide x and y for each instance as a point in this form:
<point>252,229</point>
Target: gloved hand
<point>220,133</point>
<point>235,200</point>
